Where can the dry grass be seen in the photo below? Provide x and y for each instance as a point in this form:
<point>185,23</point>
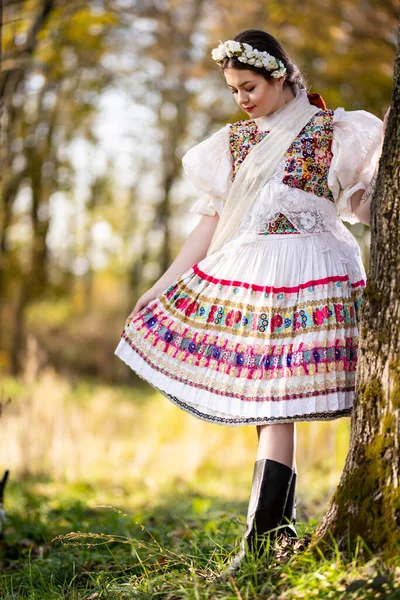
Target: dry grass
<point>76,431</point>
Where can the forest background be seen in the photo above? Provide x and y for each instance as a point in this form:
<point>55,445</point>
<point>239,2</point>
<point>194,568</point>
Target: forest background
<point>100,100</point>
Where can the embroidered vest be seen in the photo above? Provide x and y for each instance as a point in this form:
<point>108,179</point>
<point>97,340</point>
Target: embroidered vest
<point>308,159</point>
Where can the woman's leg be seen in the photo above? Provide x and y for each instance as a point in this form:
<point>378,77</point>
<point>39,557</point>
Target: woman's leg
<point>271,486</point>
<point>277,442</point>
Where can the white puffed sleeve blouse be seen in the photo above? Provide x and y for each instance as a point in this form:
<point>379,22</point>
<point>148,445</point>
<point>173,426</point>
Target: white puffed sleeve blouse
<point>209,168</point>
<point>356,149</point>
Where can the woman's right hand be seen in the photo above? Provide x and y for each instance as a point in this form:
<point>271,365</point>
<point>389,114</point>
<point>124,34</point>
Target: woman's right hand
<point>147,297</point>
<point>193,250</point>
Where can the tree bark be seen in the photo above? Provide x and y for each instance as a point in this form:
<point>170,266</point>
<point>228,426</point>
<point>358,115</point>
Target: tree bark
<point>366,503</point>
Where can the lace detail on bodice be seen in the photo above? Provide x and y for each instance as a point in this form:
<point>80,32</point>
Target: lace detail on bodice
<point>306,213</point>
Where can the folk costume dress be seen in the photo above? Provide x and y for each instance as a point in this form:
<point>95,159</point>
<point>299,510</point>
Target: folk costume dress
<point>265,329</point>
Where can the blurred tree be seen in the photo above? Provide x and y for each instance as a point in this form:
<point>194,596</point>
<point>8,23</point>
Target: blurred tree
<point>170,52</point>
<point>15,64</point>
<point>99,195</point>
<point>49,91</point>
<point>345,48</point>
<point>367,500</point>
<point>58,61</point>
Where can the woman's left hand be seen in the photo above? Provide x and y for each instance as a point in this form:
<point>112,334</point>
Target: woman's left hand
<point>385,120</point>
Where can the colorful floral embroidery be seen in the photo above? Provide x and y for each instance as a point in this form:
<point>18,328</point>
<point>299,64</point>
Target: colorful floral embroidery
<point>252,361</point>
<point>307,160</point>
<point>243,136</point>
<point>332,313</point>
<point>280,225</point>
<point>189,326</point>
<point>309,157</point>
<point>173,364</point>
<point>253,392</point>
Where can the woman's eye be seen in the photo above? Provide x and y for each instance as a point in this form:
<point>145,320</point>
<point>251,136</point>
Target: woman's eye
<point>250,90</point>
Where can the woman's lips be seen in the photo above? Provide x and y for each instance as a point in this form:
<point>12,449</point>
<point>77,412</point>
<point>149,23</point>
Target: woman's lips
<point>249,108</point>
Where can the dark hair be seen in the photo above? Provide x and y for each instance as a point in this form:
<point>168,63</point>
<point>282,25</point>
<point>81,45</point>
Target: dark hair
<point>265,42</point>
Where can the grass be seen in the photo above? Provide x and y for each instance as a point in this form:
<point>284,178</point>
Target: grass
<point>76,430</point>
<point>59,543</point>
<point>116,494</point>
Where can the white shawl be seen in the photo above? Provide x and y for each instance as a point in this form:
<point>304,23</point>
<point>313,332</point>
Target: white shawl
<point>261,164</point>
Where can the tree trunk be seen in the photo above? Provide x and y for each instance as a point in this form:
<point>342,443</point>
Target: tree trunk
<point>367,500</point>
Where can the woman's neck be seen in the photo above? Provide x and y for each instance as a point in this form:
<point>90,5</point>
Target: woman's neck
<point>286,97</point>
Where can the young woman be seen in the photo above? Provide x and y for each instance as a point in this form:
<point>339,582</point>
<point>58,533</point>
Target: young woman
<point>256,322</point>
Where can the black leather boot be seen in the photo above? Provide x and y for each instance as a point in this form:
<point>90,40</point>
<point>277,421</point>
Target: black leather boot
<point>268,497</point>
<point>289,516</point>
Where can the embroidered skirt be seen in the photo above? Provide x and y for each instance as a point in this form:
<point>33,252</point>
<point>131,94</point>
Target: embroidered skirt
<point>258,332</point>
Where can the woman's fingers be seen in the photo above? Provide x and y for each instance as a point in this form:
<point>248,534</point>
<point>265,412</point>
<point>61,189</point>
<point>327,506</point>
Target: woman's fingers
<point>135,311</point>
<point>385,119</point>
<point>142,302</point>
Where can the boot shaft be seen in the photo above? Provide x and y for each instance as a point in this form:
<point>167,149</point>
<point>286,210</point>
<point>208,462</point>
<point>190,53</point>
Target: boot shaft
<point>269,494</point>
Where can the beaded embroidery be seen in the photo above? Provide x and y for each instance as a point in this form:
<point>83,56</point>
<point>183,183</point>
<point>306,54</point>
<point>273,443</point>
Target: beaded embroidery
<point>307,160</point>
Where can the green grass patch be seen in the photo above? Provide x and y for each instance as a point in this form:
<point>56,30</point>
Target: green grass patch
<point>80,541</point>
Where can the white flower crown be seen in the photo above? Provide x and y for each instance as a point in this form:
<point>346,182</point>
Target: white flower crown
<point>247,54</point>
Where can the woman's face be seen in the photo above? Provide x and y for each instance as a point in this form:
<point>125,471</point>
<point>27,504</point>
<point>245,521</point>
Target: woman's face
<point>254,94</point>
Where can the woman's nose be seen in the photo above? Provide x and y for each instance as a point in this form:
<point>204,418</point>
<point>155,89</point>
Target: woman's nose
<point>243,98</point>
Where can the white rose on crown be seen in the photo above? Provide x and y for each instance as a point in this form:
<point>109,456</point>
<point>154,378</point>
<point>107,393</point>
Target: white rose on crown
<point>279,73</point>
<point>233,46</point>
<point>218,54</point>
